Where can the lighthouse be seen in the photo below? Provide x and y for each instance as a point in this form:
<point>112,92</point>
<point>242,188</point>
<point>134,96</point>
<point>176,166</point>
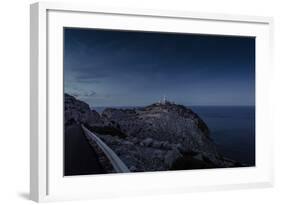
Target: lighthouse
<point>163,100</point>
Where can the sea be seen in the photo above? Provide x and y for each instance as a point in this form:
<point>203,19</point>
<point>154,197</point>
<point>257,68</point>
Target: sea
<point>232,129</point>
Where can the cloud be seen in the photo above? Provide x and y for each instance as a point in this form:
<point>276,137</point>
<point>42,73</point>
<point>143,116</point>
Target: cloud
<point>83,94</point>
<point>90,94</point>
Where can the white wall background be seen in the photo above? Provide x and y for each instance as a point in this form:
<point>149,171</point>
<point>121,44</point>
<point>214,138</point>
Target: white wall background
<point>14,102</point>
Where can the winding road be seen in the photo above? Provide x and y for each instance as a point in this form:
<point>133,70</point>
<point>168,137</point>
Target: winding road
<point>79,157</point>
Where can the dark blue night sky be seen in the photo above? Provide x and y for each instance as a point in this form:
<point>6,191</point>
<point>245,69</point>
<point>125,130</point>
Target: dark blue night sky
<point>122,68</point>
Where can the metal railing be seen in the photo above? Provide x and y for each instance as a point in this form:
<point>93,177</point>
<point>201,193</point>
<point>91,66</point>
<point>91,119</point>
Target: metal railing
<point>116,162</point>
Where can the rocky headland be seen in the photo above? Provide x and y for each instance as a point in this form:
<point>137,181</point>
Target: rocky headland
<point>161,136</point>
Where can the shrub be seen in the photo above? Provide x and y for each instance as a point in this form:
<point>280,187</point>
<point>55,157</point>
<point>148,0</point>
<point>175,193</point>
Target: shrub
<point>108,130</point>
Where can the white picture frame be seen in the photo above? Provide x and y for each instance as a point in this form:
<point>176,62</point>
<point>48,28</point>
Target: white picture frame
<point>47,182</point>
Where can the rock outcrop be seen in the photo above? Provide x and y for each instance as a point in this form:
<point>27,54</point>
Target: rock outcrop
<point>169,124</point>
<point>76,111</point>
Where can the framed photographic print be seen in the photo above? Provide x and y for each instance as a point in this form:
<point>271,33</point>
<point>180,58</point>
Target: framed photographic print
<point>127,102</point>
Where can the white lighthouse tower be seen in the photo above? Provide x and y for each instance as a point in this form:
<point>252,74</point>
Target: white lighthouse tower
<point>163,100</point>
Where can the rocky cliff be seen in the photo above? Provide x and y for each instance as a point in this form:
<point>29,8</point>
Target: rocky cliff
<point>161,136</point>
<point>76,111</point>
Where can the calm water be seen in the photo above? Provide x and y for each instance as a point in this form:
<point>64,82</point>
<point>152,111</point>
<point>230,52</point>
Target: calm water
<point>232,129</point>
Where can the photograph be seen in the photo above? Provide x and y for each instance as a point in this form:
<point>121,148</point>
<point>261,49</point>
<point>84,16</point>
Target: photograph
<point>146,101</point>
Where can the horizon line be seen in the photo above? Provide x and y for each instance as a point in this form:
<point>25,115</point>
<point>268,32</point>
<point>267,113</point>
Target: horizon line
<point>176,104</point>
